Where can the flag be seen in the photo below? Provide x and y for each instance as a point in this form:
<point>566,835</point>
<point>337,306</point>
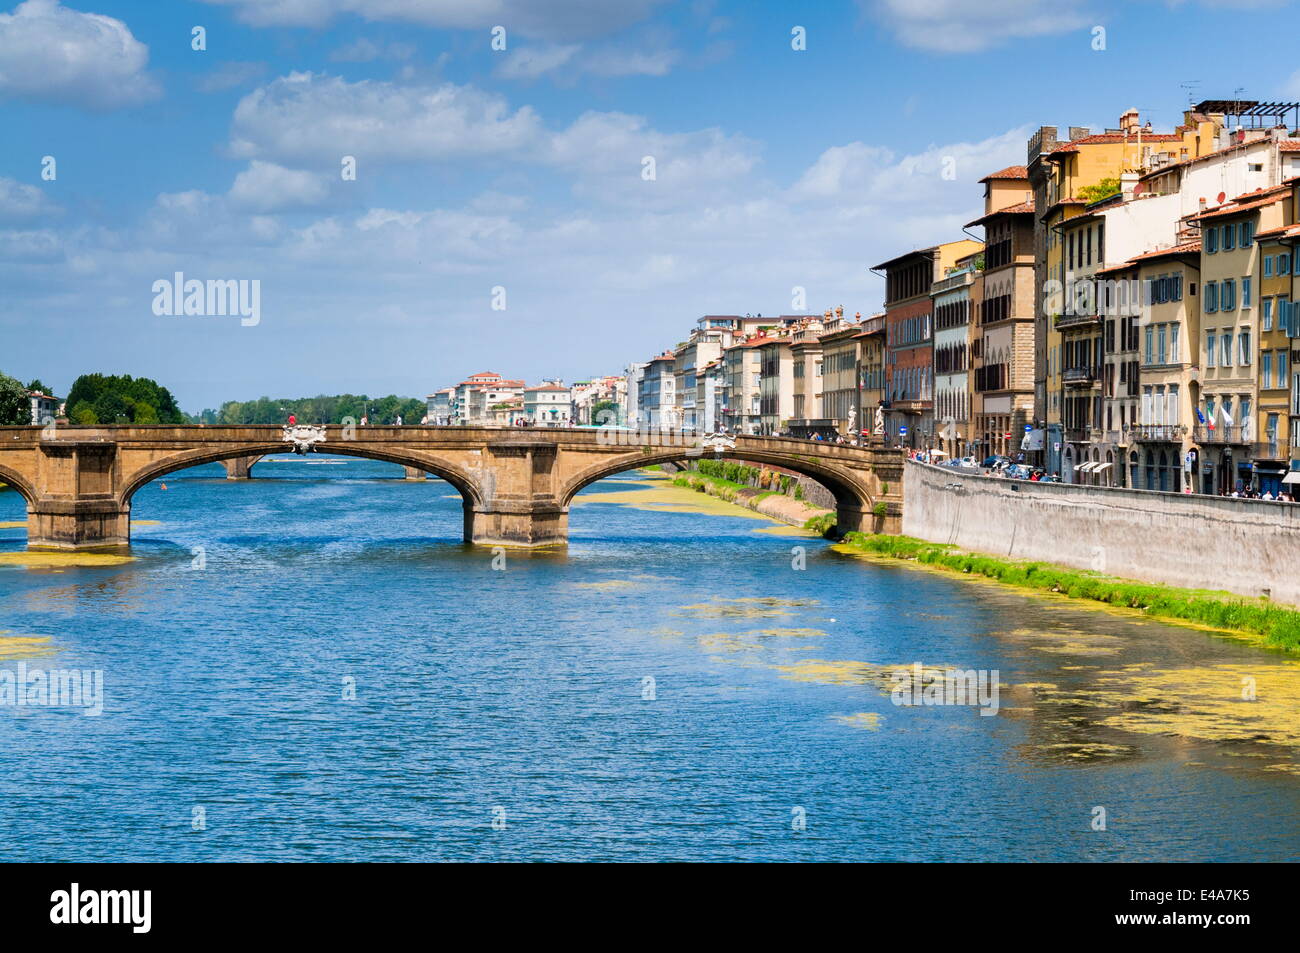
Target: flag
<point>1227,417</point>
<point>1200,416</point>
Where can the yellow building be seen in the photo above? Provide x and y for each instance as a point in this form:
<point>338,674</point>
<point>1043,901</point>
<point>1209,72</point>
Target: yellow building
<point>1273,423</point>
<point>1066,176</point>
<point>1231,269</point>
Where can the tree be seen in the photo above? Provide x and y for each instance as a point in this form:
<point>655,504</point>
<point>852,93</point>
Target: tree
<point>1103,189</point>
<point>118,399</point>
<point>15,405</point>
<point>36,385</point>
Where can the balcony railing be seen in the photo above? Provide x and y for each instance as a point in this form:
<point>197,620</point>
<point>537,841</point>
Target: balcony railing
<point>1157,433</point>
<point>1271,450</point>
<point>1078,435</point>
<point>1075,320</point>
<point>1223,434</point>
<point>1079,375</point>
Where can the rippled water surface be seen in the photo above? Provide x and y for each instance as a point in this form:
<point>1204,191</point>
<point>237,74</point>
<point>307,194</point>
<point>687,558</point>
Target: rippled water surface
<point>524,693</point>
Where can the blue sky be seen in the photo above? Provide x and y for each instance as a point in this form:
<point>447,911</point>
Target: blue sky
<point>480,168</point>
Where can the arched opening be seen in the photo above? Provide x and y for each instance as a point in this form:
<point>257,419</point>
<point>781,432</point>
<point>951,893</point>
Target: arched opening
<point>853,502</point>
<point>447,472</point>
<point>15,502</point>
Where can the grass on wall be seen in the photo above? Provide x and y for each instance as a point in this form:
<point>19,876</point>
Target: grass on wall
<point>1278,625</point>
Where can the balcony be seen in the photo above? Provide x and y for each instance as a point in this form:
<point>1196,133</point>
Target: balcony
<point>1078,376</point>
<point>1157,433</point>
<point>1222,436</point>
<point>1063,321</point>
<point>1078,435</point>
<point>1272,450</point>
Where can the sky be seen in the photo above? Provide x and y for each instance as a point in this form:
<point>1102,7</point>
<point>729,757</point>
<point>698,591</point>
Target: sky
<point>559,207</point>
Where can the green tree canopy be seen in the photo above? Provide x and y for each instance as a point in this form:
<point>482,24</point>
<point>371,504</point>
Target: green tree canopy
<point>322,409</point>
<point>121,399</point>
<point>15,406</point>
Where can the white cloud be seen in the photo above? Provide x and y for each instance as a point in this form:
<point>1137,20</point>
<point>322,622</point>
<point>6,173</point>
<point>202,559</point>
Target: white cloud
<point>529,62</point>
<point>50,54</point>
<point>267,187</point>
<point>23,203</point>
<point>863,173</point>
<point>960,26</point>
<point>555,18</point>
<point>313,119</point>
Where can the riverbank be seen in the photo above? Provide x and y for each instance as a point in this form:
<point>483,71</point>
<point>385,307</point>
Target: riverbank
<point>769,503</point>
<point>1255,620</point>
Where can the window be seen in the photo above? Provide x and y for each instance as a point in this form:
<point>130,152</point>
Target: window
<point>1228,295</point>
<point>1211,240</point>
<point>1282,357</point>
<point>1210,341</point>
<point>1225,349</point>
<point>1284,264</point>
<point>1243,339</point>
<point>1175,353</point>
<point>1284,323</point>
<point>1266,314</point>
<point>1247,234</point>
<point>1161,354</point>
<point>1149,350</point>
<point>1266,367</point>
<point>1229,237</point>
<point>1211,296</point>
<point>1245,292</point>
<point>1268,266</point>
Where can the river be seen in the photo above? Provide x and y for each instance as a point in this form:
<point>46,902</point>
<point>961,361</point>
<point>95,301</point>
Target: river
<point>311,666</point>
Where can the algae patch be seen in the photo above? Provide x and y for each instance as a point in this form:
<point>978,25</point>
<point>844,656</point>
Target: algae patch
<point>24,646</point>
<point>37,559</point>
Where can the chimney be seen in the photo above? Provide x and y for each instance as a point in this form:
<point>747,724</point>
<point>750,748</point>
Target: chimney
<point>1128,123</point>
<point>1128,180</point>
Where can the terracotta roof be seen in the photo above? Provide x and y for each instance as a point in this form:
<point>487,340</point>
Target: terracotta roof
<point>547,387</point>
<point>1186,248</point>
<point>1289,145</point>
<point>1010,172</point>
<point>1236,206</point>
<point>1102,138</point>
<point>1284,231</point>
<point>1024,208</point>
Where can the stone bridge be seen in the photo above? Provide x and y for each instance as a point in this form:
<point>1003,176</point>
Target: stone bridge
<point>517,483</point>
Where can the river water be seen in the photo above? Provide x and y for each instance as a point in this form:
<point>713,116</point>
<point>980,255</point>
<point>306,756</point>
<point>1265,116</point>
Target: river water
<point>311,666</point>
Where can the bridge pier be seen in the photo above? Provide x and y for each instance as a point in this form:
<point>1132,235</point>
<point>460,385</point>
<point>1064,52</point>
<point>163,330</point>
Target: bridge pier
<point>240,468</point>
<point>78,524</point>
<point>414,473</point>
<point>517,524</point>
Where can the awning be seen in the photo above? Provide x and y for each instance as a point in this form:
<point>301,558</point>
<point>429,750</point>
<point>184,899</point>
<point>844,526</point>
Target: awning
<point>1102,466</point>
<point>1292,477</point>
<point>1086,467</point>
<point>938,453</point>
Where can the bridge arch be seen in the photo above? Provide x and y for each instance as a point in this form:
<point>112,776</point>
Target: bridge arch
<point>16,480</point>
<point>463,482</point>
<point>854,499</point>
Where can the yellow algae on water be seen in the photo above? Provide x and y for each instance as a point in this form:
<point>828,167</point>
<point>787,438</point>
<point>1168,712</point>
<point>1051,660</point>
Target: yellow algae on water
<point>37,559</point>
<point>787,529</point>
<point>607,584</point>
<point>868,720</point>
<point>24,646</point>
<point>826,672</point>
<point>725,642</point>
<point>14,524</point>
<point>790,633</point>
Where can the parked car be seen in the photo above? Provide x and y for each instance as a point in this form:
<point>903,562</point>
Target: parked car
<point>996,462</point>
